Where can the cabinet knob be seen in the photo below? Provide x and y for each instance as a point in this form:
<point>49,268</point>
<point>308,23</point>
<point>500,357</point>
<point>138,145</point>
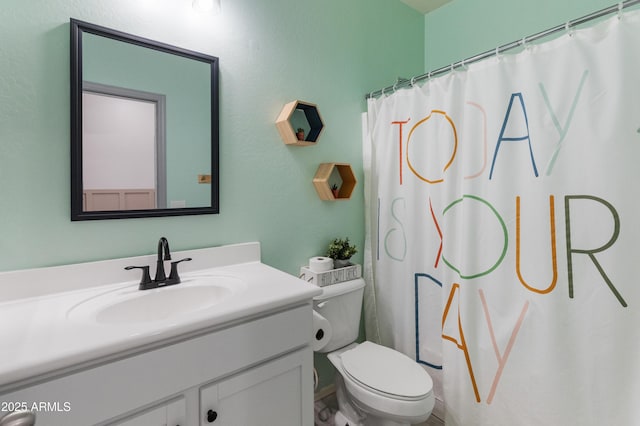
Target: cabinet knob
<point>211,416</point>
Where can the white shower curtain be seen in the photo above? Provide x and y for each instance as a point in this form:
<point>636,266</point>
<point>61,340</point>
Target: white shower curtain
<point>503,231</point>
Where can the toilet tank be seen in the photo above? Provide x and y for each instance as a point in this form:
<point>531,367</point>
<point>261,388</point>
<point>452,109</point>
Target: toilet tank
<point>340,304</point>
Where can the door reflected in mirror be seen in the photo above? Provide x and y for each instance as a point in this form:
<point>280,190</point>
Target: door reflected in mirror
<point>144,127</point>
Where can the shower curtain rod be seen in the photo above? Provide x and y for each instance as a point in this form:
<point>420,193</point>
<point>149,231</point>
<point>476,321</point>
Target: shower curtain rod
<point>403,82</point>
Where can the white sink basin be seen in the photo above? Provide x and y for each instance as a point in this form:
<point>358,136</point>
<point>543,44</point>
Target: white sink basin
<point>127,305</point>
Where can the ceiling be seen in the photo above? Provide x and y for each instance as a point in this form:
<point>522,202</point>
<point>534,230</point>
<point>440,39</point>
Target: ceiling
<point>425,6</point>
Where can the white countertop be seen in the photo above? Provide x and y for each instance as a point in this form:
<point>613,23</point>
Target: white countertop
<point>38,337</point>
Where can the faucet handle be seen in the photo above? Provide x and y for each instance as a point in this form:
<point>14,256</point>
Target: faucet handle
<point>145,281</point>
<point>174,278</point>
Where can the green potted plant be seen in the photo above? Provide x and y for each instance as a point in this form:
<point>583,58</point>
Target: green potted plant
<point>335,190</point>
<point>300,134</point>
<point>340,250</point>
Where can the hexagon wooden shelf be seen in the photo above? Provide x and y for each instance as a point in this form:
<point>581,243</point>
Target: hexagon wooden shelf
<point>302,115</point>
<point>339,174</point>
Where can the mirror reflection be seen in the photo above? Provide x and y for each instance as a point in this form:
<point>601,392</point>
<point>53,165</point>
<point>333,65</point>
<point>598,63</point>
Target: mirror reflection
<point>144,127</point>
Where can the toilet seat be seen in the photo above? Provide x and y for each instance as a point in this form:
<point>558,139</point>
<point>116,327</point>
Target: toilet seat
<point>386,372</point>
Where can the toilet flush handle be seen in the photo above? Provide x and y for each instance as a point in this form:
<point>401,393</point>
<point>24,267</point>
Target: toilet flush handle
<point>322,304</point>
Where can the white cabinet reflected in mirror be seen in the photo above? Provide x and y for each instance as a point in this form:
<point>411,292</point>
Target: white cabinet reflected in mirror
<point>144,127</point>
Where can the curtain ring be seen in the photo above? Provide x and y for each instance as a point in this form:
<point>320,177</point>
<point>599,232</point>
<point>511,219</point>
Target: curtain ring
<point>382,92</point>
<point>413,80</point>
<point>568,28</point>
<point>620,7</point>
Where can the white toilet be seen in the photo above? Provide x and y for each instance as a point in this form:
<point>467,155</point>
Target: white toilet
<point>376,385</point>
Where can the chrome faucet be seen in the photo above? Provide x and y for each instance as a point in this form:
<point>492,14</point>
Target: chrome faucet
<point>160,279</point>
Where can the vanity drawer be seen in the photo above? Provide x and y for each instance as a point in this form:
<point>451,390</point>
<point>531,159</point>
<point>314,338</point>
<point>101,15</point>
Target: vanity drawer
<point>115,388</point>
<point>168,414</point>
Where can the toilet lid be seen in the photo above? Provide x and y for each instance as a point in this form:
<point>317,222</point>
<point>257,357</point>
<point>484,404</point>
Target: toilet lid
<point>386,370</point>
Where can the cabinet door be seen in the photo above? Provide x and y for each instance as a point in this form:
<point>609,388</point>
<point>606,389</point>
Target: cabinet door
<point>278,393</point>
<point>172,414</point>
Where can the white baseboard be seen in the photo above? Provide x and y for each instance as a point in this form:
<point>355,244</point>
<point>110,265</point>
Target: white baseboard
<point>325,392</point>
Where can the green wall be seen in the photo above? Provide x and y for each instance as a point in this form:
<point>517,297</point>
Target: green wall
<point>463,28</point>
<point>271,52</point>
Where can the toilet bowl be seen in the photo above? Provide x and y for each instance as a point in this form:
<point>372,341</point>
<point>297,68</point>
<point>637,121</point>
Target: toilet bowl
<point>375,385</point>
<point>385,385</point>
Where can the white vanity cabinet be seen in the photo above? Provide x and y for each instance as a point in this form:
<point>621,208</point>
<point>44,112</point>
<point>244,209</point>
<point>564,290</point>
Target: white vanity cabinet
<point>252,372</point>
<point>230,345</point>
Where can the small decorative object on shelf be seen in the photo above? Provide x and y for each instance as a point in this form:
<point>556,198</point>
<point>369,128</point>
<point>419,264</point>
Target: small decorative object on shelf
<point>340,250</point>
<point>300,134</point>
<point>335,190</point>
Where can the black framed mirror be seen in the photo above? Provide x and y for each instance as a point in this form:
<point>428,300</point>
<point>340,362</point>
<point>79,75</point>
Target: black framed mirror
<point>144,127</point>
